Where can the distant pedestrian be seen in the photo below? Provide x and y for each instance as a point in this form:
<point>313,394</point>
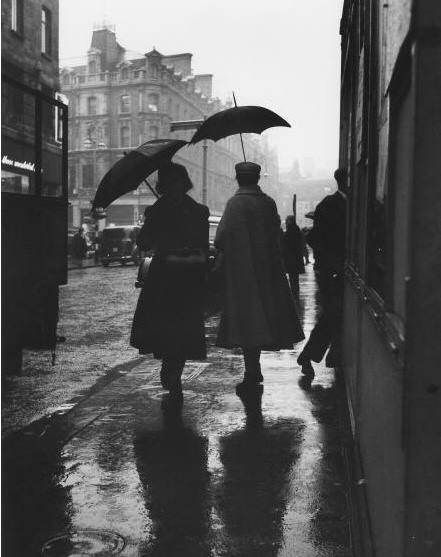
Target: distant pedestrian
<point>258,310</point>
<point>329,241</point>
<point>169,317</point>
<point>79,247</point>
<point>293,253</point>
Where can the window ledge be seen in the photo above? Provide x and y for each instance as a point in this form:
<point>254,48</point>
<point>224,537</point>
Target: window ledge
<point>389,325</point>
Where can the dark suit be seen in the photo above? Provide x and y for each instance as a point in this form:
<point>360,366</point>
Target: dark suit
<point>329,244</point>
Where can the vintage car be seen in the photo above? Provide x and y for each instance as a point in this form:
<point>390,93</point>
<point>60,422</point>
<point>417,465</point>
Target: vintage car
<point>118,245</point>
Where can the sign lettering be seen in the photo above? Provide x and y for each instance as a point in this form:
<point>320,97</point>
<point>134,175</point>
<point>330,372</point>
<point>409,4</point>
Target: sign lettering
<point>23,165</point>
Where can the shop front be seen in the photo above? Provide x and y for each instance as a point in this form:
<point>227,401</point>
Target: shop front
<point>34,217</point>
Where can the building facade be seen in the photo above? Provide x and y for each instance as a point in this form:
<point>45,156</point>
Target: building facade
<point>117,103</point>
<point>390,143</point>
<point>34,176</point>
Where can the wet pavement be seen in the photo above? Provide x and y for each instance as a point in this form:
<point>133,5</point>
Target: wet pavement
<point>125,471</point>
<point>96,309</point>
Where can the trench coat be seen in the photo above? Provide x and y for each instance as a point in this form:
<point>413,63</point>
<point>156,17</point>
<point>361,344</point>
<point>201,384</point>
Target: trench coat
<point>258,308</point>
<point>169,317</point>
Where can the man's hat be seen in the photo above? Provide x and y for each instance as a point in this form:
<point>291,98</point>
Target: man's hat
<point>247,168</point>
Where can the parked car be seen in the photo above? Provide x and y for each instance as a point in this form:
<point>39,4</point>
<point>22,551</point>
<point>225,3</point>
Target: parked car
<point>118,245</point>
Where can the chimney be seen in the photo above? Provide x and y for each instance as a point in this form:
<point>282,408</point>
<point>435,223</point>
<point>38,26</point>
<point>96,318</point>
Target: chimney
<point>204,82</point>
<point>181,63</point>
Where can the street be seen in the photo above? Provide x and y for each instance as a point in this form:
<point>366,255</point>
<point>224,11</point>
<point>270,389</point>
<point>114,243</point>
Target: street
<point>99,462</point>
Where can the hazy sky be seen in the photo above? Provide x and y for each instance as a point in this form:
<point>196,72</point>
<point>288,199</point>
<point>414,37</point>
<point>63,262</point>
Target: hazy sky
<point>282,54</point>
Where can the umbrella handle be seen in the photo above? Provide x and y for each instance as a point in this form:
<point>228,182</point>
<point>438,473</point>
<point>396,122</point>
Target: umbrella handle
<point>241,138</point>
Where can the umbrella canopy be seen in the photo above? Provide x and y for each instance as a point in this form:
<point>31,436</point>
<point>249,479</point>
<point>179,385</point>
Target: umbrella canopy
<point>127,173</point>
<point>238,119</point>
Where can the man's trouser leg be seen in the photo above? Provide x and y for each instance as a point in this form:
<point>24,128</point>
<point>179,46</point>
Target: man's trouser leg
<point>319,340</point>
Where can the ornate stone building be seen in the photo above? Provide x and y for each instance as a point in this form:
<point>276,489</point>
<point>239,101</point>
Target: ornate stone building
<point>117,103</point>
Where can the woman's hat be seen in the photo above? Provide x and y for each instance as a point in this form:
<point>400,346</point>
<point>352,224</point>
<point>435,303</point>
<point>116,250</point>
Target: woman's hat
<point>172,173</point>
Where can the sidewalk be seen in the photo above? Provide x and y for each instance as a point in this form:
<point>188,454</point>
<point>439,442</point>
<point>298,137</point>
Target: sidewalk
<point>128,472</point>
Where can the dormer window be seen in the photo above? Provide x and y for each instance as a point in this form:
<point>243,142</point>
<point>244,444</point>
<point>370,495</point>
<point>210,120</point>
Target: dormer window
<point>124,73</point>
<point>92,66</point>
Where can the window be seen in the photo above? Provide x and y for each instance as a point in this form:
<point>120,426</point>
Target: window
<point>15,183</point>
<point>153,102</point>
<point>124,103</point>
<point>46,31</point>
<point>91,105</point>
<point>87,175</point>
<point>153,132</point>
<point>92,66</point>
<point>124,136</point>
<point>124,73</point>
<point>17,16</point>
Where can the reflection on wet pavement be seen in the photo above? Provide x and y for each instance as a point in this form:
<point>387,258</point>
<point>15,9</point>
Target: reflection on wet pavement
<point>220,475</point>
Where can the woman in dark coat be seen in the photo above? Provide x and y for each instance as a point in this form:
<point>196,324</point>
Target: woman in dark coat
<point>169,317</point>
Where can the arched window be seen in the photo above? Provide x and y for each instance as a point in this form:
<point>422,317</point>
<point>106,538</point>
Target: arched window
<point>124,73</point>
<point>153,102</point>
<point>92,66</point>
<point>153,132</point>
<point>92,105</point>
<point>124,136</point>
<point>124,103</point>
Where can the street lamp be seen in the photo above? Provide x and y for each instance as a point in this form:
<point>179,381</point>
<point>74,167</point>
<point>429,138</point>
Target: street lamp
<point>194,125</point>
<point>92,144</point>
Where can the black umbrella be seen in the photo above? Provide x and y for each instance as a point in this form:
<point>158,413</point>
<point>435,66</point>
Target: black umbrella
<point>127,173</point>
<point>238,119</point>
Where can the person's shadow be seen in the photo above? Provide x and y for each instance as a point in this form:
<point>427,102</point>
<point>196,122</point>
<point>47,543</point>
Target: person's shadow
<point>254,491</point>
<point>172,467</point>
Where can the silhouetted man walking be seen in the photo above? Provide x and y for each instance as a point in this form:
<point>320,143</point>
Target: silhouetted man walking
<point>329,238</point>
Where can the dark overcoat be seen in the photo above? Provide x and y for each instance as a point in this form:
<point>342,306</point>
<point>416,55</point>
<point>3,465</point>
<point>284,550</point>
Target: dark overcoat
<point>329,233</point>
<point>169,317</point>
<point>259,310</point>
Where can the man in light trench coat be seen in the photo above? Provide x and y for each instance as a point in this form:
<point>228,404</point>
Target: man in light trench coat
<point>258,308</point>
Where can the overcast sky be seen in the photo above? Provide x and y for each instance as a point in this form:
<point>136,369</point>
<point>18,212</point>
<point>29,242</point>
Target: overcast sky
<point>282,54</point>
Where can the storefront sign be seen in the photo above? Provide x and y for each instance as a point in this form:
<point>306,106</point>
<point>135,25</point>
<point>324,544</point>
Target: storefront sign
<point>22,165</point>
